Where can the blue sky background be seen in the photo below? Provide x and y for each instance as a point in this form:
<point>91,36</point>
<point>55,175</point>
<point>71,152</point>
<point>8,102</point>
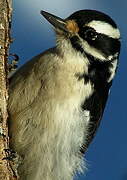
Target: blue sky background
<point>106,156</point>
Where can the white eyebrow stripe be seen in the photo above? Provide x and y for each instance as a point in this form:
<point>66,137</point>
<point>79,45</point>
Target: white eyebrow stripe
<point>105,28</point>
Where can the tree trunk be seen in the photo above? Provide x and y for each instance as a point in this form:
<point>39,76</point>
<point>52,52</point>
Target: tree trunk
<point>6,172</point>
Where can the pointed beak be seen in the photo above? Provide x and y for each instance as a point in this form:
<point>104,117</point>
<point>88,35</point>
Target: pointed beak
<point>57,22</point>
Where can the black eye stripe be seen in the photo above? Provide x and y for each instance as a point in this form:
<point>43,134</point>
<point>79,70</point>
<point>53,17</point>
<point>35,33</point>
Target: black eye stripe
<point>105,44</point>
<point>88,33</point>
<point>86,30</point>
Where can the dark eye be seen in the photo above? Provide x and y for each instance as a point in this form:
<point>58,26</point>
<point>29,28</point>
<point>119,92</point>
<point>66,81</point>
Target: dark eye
<point>89,33</point>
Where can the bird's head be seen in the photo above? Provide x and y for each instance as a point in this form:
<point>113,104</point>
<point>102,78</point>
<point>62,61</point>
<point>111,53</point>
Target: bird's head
<point>90,32</point>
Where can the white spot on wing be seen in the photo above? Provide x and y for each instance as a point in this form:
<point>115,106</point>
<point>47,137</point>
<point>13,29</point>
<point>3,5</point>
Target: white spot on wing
<point>105,28</point>
<point>87,115</point>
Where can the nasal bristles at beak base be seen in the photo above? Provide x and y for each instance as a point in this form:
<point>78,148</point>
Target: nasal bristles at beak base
<point>72,26</point>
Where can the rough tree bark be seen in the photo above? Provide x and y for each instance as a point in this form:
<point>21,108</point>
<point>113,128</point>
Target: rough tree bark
<point>6,172</point>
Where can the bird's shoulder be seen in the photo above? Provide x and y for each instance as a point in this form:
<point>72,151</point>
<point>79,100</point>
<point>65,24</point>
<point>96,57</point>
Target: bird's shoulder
<point>26,82</point>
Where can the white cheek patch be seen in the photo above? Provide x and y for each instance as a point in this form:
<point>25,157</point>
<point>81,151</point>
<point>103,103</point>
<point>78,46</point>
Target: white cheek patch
<point>93,51</point>
<point>105,28</point>
<point>113,70</point>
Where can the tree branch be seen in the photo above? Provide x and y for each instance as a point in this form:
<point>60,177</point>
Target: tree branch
<point>6,172</point>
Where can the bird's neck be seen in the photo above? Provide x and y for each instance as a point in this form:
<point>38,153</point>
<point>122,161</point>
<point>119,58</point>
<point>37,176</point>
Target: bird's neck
<point>67,51</point>
<point>97,70</point>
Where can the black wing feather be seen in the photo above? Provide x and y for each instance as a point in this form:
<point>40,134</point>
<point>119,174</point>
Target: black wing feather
<point>95,104</point>
<point>98,74</point>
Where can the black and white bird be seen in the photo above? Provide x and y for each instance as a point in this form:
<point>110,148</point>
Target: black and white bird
<point>58,98</point>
